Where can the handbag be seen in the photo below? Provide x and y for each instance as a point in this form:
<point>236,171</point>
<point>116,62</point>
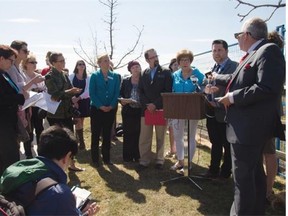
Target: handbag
<point>154,118</point>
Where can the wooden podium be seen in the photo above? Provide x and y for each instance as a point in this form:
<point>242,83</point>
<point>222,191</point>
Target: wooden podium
<point>184,106</point>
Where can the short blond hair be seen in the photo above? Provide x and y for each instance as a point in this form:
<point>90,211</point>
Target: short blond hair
<point>100,57</point>
<point>25,61</point>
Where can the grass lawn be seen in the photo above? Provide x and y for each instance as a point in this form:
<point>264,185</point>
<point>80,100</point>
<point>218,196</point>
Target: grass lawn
<point>120,190</point>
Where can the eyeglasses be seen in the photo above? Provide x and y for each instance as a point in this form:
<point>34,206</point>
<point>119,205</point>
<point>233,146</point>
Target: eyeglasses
<point>237,35</point>
<point>25,51</point>
<point>11,60</point>
<point>33,62</point>
<point>62,61</point>
<point>153,57</point>
<point>184,60</point>
<point>81,64</point>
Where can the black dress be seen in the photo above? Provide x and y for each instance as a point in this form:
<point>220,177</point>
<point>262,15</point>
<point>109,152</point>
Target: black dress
<point>84,104</point>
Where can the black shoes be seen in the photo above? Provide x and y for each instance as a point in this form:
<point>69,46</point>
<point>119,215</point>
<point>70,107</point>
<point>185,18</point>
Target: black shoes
<point>209,175</point>
<point>108,163</point>
<point>159,166</point>
<point>140,168</point>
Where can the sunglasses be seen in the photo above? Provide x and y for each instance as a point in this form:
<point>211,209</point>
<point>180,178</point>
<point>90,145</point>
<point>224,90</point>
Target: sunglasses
<point>25,51</point>
<point>236,35</point>
<point>81,64</point>
<point>33,62</point>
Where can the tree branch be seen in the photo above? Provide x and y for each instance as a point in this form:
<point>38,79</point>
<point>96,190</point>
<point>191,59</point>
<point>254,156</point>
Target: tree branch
<point>254,7</point>
<point>130,51</point>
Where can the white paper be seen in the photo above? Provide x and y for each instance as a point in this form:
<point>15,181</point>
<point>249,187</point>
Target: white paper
<point>31,101</point>
<point>81,195</point>
<point>43,101</point>
<point>47,104</point>
<point>127,100</point>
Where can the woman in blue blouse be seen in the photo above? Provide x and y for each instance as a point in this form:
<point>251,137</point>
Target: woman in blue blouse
<point>186,79</point>
<point>104,91</point>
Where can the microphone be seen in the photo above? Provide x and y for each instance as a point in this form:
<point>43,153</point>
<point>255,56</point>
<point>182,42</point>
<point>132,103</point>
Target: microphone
<point>194,80</point>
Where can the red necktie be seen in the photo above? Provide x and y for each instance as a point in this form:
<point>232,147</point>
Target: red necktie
<point>243,57</point>
<point>229,84</point>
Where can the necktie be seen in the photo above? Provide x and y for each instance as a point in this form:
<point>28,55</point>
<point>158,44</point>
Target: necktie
<point>216,68</point>
<point>243,58</point>
<point>229,84</point>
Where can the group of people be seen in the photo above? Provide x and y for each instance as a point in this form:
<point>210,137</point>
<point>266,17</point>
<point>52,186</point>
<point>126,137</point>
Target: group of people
<point>239,95</point>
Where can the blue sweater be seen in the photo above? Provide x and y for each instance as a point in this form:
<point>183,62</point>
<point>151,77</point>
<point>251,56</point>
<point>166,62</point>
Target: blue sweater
<point>180,85</point>
<point>104,93</point>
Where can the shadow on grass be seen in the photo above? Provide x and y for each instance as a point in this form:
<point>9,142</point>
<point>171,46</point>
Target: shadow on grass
<point>215,198</point>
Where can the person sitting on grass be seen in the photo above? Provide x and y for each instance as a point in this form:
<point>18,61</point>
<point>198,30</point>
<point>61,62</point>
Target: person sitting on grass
<point>20,181</point>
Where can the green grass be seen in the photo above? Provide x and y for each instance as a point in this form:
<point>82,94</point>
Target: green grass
<point>120,190</point>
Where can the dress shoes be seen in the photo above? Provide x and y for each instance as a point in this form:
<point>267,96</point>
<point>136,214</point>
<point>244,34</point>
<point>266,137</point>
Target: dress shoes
<point>108,163</point>
<point>159,166</point>
<point>141,167</point>
<point>176,166</point>
<point>209,175</point>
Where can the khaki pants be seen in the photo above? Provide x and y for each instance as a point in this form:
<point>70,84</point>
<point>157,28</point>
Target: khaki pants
<point>145,143</point>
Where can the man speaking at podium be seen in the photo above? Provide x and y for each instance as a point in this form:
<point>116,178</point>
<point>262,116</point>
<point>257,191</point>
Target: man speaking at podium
<point>252,98</point>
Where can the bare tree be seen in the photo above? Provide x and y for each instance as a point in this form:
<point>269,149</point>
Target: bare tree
<point>254,7</point>
<point>110,21</point>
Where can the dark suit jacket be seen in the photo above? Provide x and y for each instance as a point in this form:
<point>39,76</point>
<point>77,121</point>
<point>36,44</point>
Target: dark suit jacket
<point>229,68</point>
<point>256,86</point>
<point>9,101</point>
<point>150,90</point>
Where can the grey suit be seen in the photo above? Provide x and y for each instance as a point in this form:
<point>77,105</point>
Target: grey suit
<point>252,119</point>
<point>216,127</point>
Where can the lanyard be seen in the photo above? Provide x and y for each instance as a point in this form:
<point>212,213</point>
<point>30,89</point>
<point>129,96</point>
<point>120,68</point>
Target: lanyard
<point>12,84</point>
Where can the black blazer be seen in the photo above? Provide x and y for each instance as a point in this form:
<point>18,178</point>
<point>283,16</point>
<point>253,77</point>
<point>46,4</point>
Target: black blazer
<point>9,101</point>
<point>256,86</point>
<point>125,92</point>
<point>150,90</point>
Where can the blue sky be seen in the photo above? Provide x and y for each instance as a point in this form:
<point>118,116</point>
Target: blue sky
<point>169,25</point>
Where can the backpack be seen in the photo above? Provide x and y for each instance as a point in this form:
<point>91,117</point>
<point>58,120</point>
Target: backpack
<point>10,208</point>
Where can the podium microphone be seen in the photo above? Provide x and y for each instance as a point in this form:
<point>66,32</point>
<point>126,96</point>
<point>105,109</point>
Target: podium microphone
<point>194,80</point>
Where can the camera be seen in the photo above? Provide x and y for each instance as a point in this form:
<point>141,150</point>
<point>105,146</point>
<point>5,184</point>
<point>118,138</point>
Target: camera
<point>75,112</point>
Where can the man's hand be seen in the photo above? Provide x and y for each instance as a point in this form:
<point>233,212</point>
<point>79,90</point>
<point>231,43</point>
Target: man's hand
<point>225,101</point>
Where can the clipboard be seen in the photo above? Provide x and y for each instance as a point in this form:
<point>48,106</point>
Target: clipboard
<point>155,118</point>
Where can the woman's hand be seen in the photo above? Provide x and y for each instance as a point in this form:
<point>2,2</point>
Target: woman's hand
<point>38,78</point>
<point>73,91</point>
<point>91,209</point>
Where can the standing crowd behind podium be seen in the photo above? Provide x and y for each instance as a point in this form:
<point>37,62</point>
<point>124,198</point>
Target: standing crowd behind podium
<point>233,89</point>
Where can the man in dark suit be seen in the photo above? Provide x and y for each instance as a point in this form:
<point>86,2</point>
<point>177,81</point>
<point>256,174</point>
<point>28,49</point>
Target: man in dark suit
<point>153,81</point>
<point>251,101</point>
<point>215,123</point>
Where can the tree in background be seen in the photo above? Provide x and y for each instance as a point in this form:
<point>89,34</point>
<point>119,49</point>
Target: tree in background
<point>90,59</point>
<point>253,7</point>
